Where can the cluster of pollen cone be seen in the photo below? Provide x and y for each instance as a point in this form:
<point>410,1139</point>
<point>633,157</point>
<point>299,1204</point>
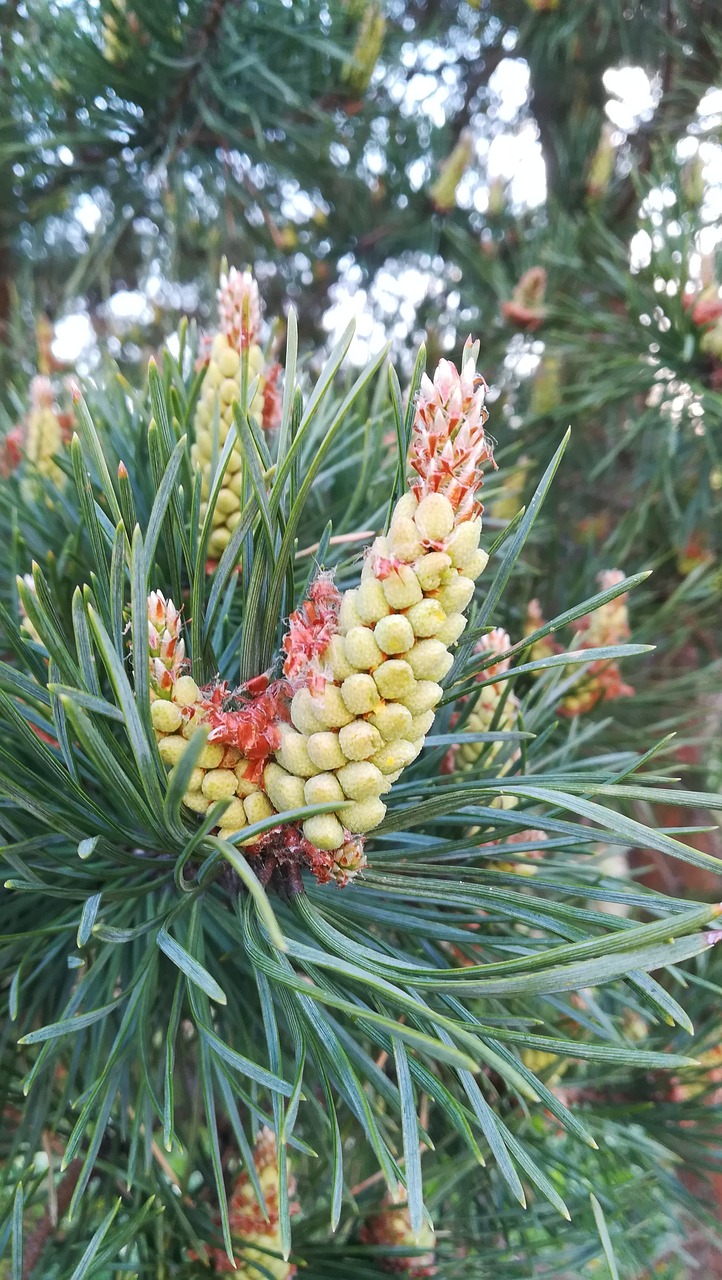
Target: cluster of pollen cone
<point>233,351</point>
<point>361,671</point>
<point>257,1233</point>
<point>494,707</point>
<point>607,625</point>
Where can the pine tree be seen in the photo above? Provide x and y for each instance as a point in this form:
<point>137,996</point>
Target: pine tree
<point>219,994</point>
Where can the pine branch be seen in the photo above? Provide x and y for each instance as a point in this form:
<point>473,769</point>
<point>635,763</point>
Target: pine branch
<point>198,47</point>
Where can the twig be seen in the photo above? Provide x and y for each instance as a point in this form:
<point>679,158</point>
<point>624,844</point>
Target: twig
<point>361,535</point>
<point>161,1159</point>
<point>368,1182</point>
<point>52,1193</point>
<point>204,37</point>
<point>42,1233</point>
<point>378,1176</point>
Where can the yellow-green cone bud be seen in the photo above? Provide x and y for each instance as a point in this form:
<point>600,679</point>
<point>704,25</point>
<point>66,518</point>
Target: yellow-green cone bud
<point>359,693</point>
<point>258,807</point>
<point>303,713</point>
<point>325,751</point>
<point>423,697</point>
<point>363,815</point>
<point>330,708</point>
<point>360,780</point>
<point>392,719</point>
<point>324,831</point>
<point>429,660</point>
<point>402,588</point>
<point>234,818</point>
<point>219,784</point>
<point>394,634</point>
<point>284,790</point>
<point>359,740</point>
<point>370,602</point>
<point>293,754</point>
<point>166,716</point>
<point>361,649</point>
<point>325,788</point>
<point>426,619</point>
<point>394,679</point>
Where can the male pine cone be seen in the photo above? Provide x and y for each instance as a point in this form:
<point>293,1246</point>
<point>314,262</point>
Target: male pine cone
<point>235,343</point>
<point>43,437</point>
<point>366,669</point>
<point>494,707</point>
<point>362,671</point>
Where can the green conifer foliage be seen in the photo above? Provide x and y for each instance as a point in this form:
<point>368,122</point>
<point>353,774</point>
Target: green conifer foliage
<point>462,1008</point>
<point>359,890</point>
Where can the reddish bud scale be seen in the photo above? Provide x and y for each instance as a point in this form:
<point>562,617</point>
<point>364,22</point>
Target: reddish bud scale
<point>272,404</point>
<point>310,630</point>
<point>254,725</point>
<point>11,451</point>
<point>525,308</point>
<point>706,311</point>
<point>282,854</point>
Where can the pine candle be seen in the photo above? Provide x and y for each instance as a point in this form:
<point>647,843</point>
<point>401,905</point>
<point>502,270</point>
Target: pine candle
<point>607,625</point>
<point>443,191</point>
<point>357,72</point>
<point>43,436</point>
<point>495,704</point>
<point>236,341</point>
<point>257,1235</point>
<point>391,1227</point>
<point>362,671</point>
